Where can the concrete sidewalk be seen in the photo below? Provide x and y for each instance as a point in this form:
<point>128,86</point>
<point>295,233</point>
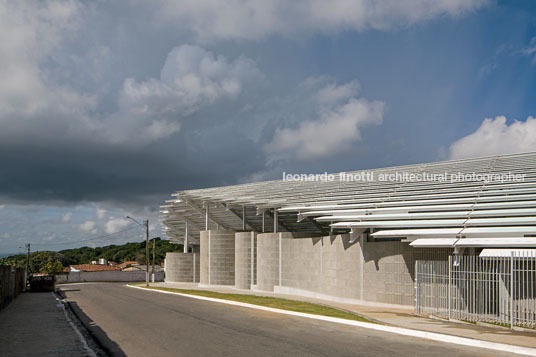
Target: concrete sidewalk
<point>35,324</point>
<point>400,317</point>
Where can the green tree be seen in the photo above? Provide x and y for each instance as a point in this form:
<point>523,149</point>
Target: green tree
<point>53,266</point>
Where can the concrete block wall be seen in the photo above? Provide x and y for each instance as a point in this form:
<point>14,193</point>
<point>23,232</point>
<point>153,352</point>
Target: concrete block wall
<point>341,267</point>
<point>268,260</point>
<point>389,270</point>
<point>325,265</point>
<point>217,257</point>
<point>245,259</point>
<point>301,263</point>
<point>332,267</point>
<point>182,267</point>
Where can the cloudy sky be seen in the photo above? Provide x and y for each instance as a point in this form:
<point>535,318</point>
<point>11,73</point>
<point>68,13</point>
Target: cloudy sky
<point>107,107</point>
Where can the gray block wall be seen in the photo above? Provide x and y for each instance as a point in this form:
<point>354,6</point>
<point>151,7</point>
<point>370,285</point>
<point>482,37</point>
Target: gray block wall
<point>389,270</point>
<point>217,257</point>
<point>268,260</point>
<point>325,265</point>
<point>381,272</point>
<point>245,259</point>
<point>182,267</point>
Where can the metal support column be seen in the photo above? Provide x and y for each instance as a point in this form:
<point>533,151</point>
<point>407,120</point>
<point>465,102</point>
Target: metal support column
<point>206,218</point>
<point>243,218</point>
<point>185,248</point>
<point>276,220</point>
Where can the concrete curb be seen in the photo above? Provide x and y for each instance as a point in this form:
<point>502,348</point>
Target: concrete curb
<point>527,351</point>
<point>83,341</point>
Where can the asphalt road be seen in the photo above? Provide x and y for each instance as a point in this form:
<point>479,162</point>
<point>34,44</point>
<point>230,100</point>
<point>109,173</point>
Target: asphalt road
<point>133,322</point>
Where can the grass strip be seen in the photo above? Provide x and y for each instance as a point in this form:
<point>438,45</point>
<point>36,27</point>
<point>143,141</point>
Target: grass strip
<point>277,303</point>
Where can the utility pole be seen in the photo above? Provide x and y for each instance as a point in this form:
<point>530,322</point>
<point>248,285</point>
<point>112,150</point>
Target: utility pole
<point>154,254</point>
<point>28,264</point>
<point>146,226</point>
<point>147,252</point>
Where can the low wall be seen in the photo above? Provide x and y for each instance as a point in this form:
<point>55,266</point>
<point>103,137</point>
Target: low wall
<point>182,267</point>
<point>377,272</point>
<point>12,283</point>
<point>108,276</point>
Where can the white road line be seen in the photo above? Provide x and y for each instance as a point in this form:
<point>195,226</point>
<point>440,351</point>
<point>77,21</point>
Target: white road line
<point>80,336</point>
<point>527,351</point>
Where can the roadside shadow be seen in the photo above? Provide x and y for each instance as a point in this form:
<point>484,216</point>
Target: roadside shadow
<point>97,334</point>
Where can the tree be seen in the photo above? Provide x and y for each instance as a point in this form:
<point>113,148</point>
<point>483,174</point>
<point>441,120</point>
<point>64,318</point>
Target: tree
<point>53,266</point>
<point>38,260</point>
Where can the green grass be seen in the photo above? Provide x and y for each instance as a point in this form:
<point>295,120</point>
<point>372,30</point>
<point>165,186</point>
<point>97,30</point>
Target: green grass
<point>277,303</point>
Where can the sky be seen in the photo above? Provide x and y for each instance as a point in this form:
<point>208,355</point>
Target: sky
<point>108,107</point>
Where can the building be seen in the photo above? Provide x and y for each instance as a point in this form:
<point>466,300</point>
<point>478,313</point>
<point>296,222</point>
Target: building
<point>356,236</point>
<point>91,267</point>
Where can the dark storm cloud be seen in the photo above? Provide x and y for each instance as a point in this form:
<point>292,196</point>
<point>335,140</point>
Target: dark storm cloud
<point>107,101</point>
<point>79,172</point>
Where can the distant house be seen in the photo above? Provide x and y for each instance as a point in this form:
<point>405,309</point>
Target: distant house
<point>127,264</point>
<point>132,268</point>
<point>92,267</point>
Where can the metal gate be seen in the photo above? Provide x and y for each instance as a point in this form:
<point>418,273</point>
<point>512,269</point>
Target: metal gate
<point>499,290</point>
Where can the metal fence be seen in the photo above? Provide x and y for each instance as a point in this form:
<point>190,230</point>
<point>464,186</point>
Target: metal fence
<point>499,290</point>
<point>12,283</point>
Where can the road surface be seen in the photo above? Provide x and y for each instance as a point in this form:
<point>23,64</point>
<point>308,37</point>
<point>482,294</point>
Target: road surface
<point>134,322</point>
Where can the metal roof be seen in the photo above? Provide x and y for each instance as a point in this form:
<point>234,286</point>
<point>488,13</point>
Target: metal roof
<point>389,208</point>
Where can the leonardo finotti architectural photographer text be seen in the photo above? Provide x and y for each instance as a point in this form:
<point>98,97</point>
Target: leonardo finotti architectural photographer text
<point>370,176</point>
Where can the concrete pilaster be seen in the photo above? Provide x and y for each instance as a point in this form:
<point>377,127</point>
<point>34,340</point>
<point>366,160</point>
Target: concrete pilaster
<point>217,266</point>
<point>245,259</point>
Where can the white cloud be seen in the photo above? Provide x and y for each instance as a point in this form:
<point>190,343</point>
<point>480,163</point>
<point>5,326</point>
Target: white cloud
<point>191,78</point>
<point>332,94</point>
<point>67,217</point>
<point>341,116</point>
<point>33,41</point>
<point>115,224</point>
<point>254,19</point>
<point>100,212</point>
<point>34,44</point>
<point>29,35</point>
<point>87,226</point>
<point>494,137</point>
<point>530,50</point>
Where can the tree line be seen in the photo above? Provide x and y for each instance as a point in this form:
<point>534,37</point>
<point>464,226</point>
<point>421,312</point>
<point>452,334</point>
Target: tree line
<point>51,262</point>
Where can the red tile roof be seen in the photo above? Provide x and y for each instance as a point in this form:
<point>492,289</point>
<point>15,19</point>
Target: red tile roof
<point>94,267</point>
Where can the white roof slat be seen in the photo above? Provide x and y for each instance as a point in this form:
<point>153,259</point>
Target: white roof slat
<point>401,224</point>
<point>423,232</point>
<point>393,216</point>
<point>497,242</point>
<point>433,243</point>
<point>447,232</point>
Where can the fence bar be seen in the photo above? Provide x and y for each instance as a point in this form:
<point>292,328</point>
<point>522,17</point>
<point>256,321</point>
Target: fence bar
<point>497,289</point>
<point>512,291</point>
